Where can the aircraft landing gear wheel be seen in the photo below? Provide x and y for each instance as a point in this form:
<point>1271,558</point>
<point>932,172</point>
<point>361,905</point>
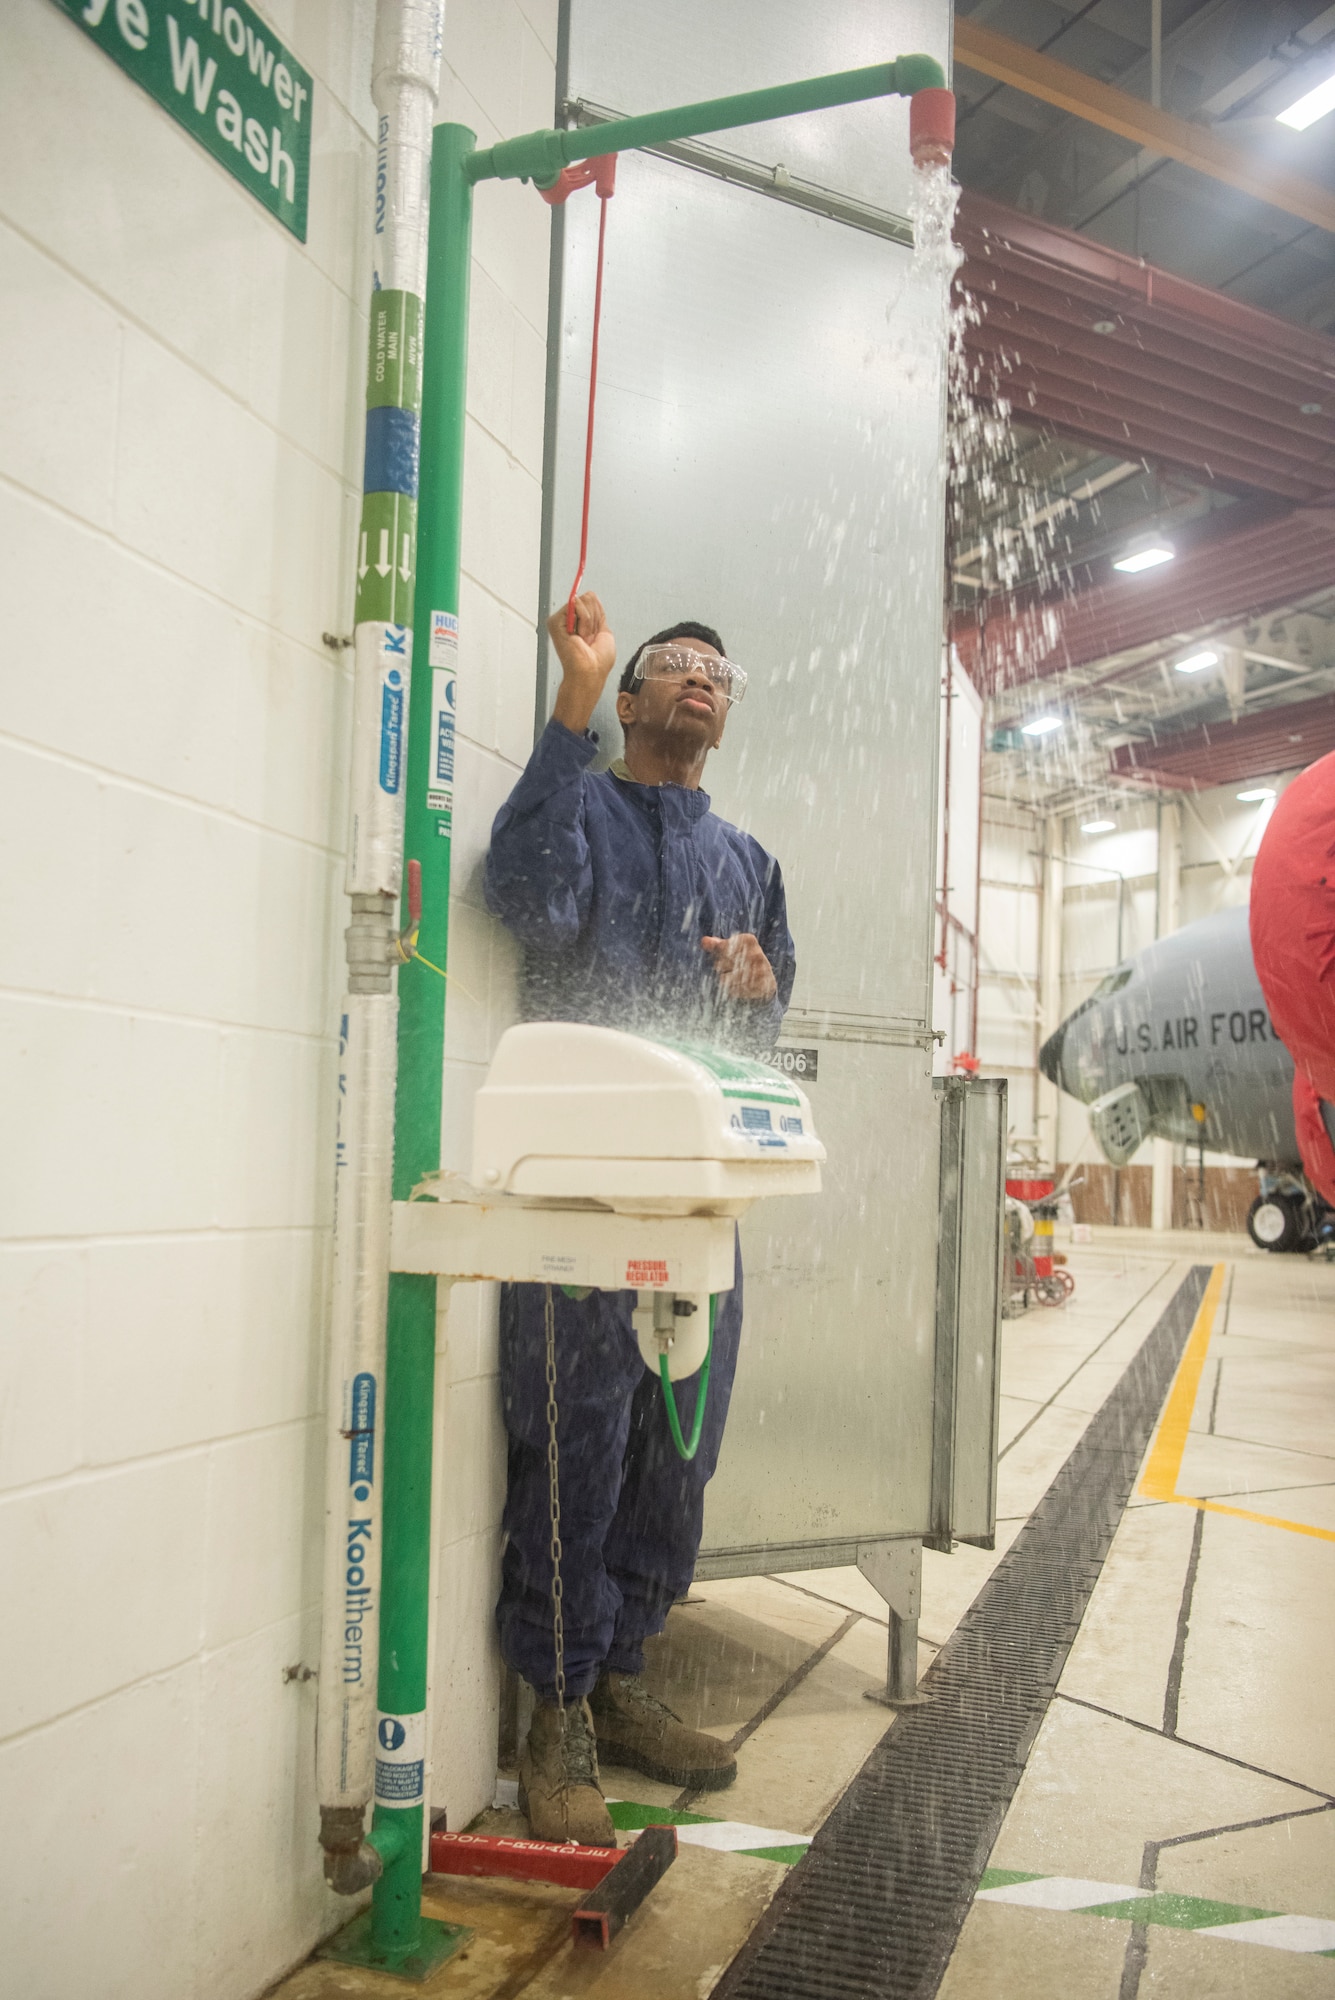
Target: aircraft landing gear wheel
<point>1273,1223</point>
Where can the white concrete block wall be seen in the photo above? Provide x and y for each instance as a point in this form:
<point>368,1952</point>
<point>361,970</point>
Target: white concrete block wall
<point>1009,907</point>
<point>180,462</point>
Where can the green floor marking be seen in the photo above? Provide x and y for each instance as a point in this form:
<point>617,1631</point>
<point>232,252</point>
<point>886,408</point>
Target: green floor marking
<point>628,1817</point>
<point>1204,1915</point>
<point>1179,1913</point>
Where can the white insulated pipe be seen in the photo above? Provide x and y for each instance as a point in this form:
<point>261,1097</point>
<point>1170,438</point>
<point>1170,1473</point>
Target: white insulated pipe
<point>405,84</point>
<point>354,1469</point>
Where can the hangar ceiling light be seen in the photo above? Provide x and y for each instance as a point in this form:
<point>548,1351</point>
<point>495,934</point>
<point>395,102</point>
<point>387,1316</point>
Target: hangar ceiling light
<point>1147,554</point>
<point>1313,105</point>
<point>1196,663</point>
<point>1041,725</point>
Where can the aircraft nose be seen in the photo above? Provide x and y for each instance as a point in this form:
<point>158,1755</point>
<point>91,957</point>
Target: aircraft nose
<point>1050,1055</point>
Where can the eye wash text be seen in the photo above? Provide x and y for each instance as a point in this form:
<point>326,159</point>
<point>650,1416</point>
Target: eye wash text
<point>221,72</point>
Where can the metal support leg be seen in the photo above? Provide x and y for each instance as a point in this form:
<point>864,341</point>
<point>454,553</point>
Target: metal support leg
<point>894,1570</point>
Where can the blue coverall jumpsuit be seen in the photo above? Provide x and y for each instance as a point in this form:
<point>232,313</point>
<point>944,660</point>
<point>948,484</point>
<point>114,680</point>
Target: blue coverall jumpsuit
<point>609,887</point>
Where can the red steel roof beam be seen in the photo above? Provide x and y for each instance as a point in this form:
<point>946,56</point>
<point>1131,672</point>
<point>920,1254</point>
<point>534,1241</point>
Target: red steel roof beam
<point>1278,427</point>
<point>1217,318</point>
<point>1277,396</point>
<point>1151,425</point>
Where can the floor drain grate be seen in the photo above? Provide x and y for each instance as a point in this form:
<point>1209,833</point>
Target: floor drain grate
<point>874,1910</point>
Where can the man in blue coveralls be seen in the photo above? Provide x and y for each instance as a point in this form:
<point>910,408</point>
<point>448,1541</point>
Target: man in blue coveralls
<point>636,908</point>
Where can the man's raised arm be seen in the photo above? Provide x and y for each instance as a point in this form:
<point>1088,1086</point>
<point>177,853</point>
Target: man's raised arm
<point>537,877</point>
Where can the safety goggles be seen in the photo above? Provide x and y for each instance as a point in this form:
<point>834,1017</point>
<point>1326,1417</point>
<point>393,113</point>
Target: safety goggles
<point>675,663</point>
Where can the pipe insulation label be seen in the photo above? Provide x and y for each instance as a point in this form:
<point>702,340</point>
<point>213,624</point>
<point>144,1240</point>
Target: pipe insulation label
<point>400,1759</point>
<point>358,1594</point>
<point>444,659</point>
<point>222,73</point>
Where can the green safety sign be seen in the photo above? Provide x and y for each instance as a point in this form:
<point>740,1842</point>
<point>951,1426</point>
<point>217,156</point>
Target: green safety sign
<point>223,74</point>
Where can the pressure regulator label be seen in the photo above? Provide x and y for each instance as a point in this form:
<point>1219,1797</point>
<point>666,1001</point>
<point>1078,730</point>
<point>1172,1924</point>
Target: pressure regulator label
<point>400,1759</point>
<point>443,656</point>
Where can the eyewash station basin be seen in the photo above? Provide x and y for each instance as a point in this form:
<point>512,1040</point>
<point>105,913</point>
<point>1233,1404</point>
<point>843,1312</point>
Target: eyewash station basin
<point>605,1160</point>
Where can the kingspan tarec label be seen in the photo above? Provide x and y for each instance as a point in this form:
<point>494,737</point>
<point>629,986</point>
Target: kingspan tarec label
<point>361,1434</point>
<point>393,705</point>
<point>400,1759</point>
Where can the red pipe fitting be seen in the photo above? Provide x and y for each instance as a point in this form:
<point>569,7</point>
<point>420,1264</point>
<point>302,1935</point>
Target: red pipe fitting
<point>932,127</point>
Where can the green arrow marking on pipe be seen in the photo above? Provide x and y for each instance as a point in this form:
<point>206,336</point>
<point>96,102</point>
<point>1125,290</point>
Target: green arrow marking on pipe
<point>386,559</point>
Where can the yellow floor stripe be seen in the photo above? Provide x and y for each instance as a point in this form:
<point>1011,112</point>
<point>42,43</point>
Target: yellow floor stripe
<point>1245,1514</point>
<point>1170,1441</point>
<point>1160,1480</point>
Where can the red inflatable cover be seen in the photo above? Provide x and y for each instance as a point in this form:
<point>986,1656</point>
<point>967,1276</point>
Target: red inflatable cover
<point>1293,944</point>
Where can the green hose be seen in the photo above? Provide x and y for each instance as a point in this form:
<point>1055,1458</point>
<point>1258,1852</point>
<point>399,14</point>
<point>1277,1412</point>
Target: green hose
<point>698,1422</point>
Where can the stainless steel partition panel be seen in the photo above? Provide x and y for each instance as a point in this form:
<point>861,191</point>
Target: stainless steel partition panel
<point>968,1309</point>
<point>769,460</point>
<point>829,1437</point>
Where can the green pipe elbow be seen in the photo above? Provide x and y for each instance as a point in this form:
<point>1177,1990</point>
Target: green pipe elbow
<point>915,73</point>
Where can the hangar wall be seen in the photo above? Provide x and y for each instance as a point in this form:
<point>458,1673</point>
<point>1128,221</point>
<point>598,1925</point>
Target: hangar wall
<point>180,469</point>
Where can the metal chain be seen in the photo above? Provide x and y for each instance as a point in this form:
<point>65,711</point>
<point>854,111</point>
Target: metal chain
<point>554,1504</point>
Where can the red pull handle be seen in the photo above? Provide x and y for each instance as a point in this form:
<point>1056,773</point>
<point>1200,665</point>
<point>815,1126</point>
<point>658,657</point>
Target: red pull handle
<point>414,893</point>
<point>600,173</point>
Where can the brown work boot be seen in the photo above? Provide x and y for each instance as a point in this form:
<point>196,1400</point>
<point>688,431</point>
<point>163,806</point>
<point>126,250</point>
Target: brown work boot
<point>638,1730</point>
<point>558,1779</point>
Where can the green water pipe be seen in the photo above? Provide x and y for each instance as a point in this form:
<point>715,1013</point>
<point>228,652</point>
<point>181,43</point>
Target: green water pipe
<point>541,156</point>
<point>687,1448</point>
<point>400,1939</point>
